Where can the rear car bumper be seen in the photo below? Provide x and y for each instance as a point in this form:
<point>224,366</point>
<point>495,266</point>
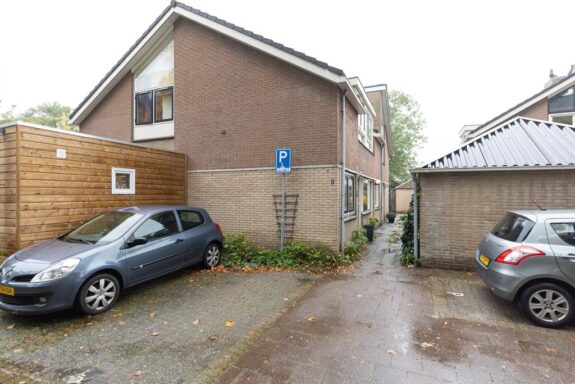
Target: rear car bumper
<point>502,279</point>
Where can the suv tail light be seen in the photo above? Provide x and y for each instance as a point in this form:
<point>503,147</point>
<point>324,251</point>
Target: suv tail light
<point>514,256</point>
<point>218,227</point>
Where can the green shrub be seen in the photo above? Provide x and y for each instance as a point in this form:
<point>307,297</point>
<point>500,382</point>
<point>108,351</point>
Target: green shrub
<point>238,252</point>
<point>374,221</point>
<point>390,217</point>
<point>407,250</point>
<point>358,241</point>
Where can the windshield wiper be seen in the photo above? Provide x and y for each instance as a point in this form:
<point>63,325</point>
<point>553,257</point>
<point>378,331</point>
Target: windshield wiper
<point>80,240</point>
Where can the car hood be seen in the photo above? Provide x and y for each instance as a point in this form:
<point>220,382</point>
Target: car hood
<point>52,251</point>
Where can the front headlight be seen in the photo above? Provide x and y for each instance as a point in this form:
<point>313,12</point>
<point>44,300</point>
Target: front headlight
<point>57,271</point>
<point>5,261</point>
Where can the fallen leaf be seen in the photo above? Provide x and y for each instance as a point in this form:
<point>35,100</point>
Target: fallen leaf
<point>426,345</point>
<point>154,314</point>
<point>229,323</point>
<point>11,326</point>
<point>196,322</point>
<point>359,295</point>
<point>155,333</point>
<point>19,350</point>
<point>213,338</point>
<point>391,352</point>
<point>137,373</point>
<point>549,349</point>
<point>311,318</point>
<point>122,322</point>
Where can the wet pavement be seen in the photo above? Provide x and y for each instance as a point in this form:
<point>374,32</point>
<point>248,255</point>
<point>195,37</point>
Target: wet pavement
<point>384,323</point>
<point>183,328</point>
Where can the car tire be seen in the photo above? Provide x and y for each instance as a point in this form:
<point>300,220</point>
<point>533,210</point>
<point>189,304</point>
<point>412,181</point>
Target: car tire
<point>547,305</point>
<point>212,256</point>
<point>98,294</point>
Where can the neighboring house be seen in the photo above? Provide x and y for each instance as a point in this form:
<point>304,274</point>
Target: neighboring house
<point>463,194</point>
<point>555,103</point>
<point>403,195</point>
<point>227,98</point>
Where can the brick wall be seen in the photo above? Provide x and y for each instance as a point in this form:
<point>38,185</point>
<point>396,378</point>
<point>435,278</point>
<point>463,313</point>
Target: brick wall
<point>458,208</point>
<point>242,201</point>
<point>112,118</point>
<point>538,110</point>
<point>165,145</point>
<point>234,105</point>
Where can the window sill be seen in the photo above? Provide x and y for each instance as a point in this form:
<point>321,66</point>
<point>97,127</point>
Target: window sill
<point>372,151</point>
<point>366,212</point>
<point>349,217</point>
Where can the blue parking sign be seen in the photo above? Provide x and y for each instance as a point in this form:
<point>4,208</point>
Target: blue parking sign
<point>283,160</point>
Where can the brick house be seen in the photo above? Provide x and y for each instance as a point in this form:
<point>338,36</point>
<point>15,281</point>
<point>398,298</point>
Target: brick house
<point>524,156</point>
<point>227,98</point>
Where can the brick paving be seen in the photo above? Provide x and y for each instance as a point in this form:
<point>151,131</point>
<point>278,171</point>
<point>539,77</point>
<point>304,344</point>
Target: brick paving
<point>384,323</point>
<point>172,330</point>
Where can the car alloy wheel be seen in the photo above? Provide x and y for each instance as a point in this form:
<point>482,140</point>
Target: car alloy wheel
<point>98,294</point>
<point>212,256</point>
<point>549,305</point>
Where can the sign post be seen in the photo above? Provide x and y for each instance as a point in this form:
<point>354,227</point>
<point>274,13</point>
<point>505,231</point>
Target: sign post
<point>283,167</point>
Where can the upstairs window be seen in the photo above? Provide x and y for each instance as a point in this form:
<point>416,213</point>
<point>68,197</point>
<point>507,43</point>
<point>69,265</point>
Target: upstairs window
<point>365,130</point>
<point>564,102</point>
<point>154,89</point>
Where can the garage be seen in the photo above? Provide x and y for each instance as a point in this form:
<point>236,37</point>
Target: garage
<point>53,180</point>
<point>522,164</point>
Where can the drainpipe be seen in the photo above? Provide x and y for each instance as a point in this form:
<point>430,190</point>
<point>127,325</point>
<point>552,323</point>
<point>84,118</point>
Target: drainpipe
<point>415,218</point>
<point>382,184</point>
<point>342,163</point>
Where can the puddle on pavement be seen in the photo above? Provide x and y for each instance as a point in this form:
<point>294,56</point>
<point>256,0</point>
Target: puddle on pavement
<point>441,340</point>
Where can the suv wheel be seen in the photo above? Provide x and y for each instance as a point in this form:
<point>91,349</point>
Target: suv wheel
<point>98,294</point>
<point>548,305</point>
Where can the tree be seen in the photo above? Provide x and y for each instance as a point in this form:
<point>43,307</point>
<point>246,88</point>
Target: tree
<point>407,124</point>
<point>52,114</point>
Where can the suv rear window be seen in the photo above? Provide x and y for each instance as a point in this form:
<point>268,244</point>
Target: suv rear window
<point>513,228</point>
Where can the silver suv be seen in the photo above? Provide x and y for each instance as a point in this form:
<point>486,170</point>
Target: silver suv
<point>529,258</point>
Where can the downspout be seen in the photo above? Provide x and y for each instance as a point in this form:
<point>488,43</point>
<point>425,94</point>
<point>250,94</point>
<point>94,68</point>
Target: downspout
<point>382,184</point>
<point>415,218</point>
<point>342,163</point>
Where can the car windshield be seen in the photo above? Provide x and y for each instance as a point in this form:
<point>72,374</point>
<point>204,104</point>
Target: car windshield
<point>103,229</point>
<point>513,228</point>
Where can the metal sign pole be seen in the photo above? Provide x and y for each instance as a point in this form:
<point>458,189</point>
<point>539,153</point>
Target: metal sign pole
<point>283,218</point>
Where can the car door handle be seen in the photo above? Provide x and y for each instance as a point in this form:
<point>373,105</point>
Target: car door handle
<point>179,241</point>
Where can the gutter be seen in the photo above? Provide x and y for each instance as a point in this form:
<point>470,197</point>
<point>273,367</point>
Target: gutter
<point>415,219</point>
<point>342,182</point>
<point>493,169</point>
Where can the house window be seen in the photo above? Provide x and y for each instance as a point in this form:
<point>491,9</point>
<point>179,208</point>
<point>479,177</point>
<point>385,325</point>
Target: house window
<point>154,97</point>
<point>365,130</point>
<point>564,102</point>
<point>367,188</point>
<point>349,193</point>
<point>123,181</point>
<point>562,118</point>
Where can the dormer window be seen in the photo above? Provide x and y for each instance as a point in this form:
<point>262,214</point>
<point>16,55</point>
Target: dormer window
<point>154,97</point>
<point>562,107</point>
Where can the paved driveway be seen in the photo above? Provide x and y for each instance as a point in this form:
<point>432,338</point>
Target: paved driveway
<point>385,323</point>
<point>170,331</point>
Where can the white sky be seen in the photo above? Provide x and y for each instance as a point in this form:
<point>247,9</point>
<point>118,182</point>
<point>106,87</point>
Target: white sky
<point>464,61</point>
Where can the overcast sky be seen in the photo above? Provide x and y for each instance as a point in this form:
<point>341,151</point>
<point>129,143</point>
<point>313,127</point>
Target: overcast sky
<point>464,61</point>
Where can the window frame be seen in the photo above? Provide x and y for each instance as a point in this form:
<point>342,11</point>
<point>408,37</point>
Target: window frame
<point>369,195</point>
<point>150,91</point>
<point>365,124</point>
<point>124,191</point>
<point>145,220</point>
<point>561,114</point>
<point>377,194</point>
<point>346,210</point>
<point>155,91</point>
<point>182,222</point>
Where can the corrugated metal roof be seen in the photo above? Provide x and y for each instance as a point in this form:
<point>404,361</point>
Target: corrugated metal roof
<point>519,143</point>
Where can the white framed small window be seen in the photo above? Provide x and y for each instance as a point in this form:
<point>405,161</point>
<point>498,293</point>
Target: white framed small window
<point>563,118</point>
<point>123,181</point>
<point>366,195</point>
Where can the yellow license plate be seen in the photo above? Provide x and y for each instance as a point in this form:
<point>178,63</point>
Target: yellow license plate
<point>6,290</point>
<point>484,259</point>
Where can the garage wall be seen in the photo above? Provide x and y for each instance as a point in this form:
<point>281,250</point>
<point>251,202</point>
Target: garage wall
<point>402,200</point>
<point>57,195</point>
<point>8,195</point>
<point>458,208</point>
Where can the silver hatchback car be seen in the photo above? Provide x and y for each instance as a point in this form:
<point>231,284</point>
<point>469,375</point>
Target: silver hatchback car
<point>529,258</point>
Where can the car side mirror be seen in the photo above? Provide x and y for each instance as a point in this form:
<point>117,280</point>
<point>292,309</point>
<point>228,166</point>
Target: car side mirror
<point>137,241</point>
